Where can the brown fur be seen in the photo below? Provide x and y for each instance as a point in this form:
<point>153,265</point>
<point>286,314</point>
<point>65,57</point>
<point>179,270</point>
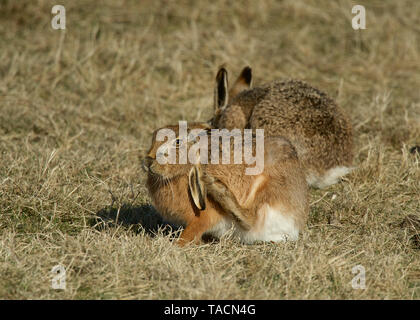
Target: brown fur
<point>320,131</point>
<point>243,82</point>
<point>230,193</point>
<point>281,182</point>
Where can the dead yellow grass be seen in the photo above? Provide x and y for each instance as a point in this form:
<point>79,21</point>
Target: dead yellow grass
<point>77,109</point>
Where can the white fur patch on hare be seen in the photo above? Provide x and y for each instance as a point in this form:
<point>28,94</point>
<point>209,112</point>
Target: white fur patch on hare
<point>329,178</point>
<point>273,226</point>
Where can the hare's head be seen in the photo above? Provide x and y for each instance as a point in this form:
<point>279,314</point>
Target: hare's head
<point>223,96</point>
<point>172,152</point>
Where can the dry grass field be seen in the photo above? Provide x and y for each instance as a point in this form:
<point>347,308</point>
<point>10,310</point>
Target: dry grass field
<point>78,107</point>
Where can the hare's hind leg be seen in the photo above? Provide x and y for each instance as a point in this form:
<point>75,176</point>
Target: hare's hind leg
<point>227,200</point>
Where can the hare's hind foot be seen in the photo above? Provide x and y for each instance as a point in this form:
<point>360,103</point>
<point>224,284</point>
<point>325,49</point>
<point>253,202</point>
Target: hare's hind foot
<point>332,176</point>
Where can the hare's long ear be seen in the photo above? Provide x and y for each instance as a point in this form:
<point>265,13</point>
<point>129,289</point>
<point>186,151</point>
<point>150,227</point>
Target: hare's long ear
<point>244,82</point>
<point>197,187</point>
<point>221,90</point>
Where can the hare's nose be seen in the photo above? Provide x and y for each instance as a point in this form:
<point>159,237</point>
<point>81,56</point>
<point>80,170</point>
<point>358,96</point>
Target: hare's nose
<point>146,163</point>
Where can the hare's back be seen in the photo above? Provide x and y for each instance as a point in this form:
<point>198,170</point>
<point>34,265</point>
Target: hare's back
<point>292,106</point>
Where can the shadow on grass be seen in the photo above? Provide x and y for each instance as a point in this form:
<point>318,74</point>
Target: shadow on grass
<point>144,217</point>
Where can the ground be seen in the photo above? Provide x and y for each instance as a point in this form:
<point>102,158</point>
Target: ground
<point>78,107</point>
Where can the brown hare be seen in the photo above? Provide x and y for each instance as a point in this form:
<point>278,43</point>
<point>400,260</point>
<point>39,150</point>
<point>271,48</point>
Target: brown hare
<point>319,130</point>
<point>215,198</point>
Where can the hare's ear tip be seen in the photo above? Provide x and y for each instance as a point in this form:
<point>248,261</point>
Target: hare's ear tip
<point>247,73</point>
<point>202,203</point>
<point>222,68</point>
<point>222,74</point>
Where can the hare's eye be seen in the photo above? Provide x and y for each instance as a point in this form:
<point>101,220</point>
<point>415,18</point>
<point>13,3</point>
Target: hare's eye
<point>177,142</point>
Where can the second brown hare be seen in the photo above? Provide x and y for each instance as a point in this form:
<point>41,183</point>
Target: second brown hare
<point>319,130</point>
